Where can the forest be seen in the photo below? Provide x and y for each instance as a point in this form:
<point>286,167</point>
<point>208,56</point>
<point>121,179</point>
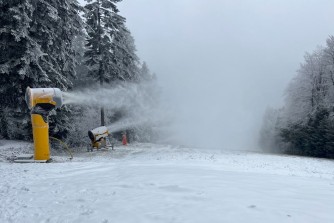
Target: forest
<point>305,124</point>
<point>61,44</point>
<point>179,111</point>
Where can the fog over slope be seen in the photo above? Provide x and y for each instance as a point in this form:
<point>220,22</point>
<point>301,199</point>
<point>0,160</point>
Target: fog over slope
<point>221,63</point>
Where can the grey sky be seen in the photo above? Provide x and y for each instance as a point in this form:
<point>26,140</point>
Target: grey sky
<point>222,62</point>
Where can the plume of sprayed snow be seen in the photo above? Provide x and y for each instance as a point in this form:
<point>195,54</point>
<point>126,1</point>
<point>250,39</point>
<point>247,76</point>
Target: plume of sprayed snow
<point>126,123</point>
<point>139,103</point>
<point>120,96</point>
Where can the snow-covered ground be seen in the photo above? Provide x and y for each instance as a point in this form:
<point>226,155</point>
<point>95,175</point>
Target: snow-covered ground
<point>155,183</point>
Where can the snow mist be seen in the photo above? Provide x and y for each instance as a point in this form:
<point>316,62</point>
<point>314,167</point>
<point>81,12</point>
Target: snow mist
<point>138,103</point>
<point>112,97</point>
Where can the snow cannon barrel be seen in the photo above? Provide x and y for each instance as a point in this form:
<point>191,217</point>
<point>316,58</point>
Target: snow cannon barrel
<point>41,101</point>
<point>46,98</point>
<point>99,137</point>
<point>98,133</point>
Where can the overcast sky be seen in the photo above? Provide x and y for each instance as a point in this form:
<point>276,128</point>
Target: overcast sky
<point>222,62</point>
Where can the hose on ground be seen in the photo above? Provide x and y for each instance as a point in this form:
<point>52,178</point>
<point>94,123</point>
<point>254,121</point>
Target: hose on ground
<point>65,146</point>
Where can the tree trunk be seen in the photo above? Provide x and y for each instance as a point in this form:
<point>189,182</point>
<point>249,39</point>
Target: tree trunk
<point>102,114</point>
<point>101,84</point>
<point>100,52</point>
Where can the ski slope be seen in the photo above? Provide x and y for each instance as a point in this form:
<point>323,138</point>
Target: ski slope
<point>155,183</point>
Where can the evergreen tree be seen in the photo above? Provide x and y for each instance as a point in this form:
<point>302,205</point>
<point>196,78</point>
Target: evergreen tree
<point>145,73</point>
<point>55,24</point>
<point>82,79</point>
<point>269,132</point>
<point>19,67</point>
<point>312,139</point>
<point>37,34</point>
<point>127,59</point>
<point>103,26</point>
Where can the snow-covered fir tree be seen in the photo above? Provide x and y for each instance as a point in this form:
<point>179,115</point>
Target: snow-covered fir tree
<point>19,67</point>
<point>103,25</point>
<point>145,73</point>
<point>55,25</point>
<point>37,34</point>
<point>106,50</point>
<point>127,59</point>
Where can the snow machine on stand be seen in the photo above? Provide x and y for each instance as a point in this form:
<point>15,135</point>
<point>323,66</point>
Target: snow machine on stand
<point>99,139</point>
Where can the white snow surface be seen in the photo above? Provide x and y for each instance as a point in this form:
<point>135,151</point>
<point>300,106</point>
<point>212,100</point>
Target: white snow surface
<point>157,183</point>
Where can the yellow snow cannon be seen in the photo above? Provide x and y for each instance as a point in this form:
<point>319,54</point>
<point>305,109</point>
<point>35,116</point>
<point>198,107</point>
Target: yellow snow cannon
<point>41,101</point>
<point>99,138</point>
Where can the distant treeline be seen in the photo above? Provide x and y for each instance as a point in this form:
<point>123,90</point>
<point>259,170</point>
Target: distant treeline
<point>47,43</point>
<point>305,125</point>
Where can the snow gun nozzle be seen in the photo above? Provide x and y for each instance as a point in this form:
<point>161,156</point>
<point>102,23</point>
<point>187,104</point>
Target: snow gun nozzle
<point>47,98</point>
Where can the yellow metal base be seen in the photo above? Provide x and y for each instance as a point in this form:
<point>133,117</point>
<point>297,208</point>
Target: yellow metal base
<point>28,158</point>
<point>41,138</point>
<point>31,161</point>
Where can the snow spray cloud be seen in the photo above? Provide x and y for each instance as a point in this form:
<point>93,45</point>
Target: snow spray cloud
<point>111,97</point>
<point>139,103</point>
